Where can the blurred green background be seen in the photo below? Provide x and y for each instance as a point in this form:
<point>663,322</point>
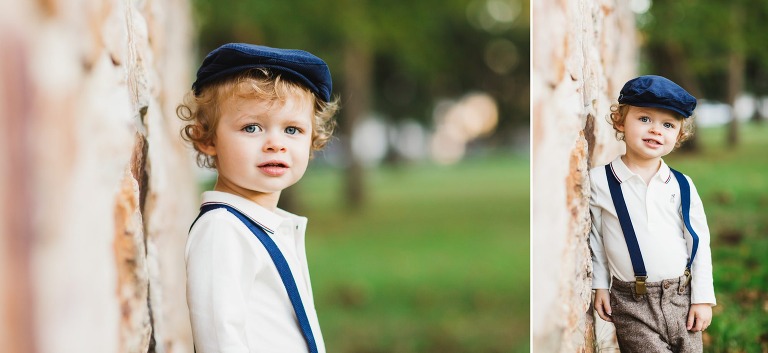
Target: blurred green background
<point>437,262</point>
<point>418,236</point>
<point>716,50</point>
<point>733,185</point>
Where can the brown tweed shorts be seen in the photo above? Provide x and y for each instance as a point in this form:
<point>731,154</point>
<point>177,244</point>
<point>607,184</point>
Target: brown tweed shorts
<point>654,322</point>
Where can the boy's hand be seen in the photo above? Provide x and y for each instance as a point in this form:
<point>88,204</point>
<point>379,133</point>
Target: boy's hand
<point>699,317</point>
<point>603,304</point>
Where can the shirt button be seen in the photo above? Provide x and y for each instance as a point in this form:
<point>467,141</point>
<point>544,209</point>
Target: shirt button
<point>666,285</point>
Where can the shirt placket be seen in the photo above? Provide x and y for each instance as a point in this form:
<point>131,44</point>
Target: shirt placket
<point>651,210</point>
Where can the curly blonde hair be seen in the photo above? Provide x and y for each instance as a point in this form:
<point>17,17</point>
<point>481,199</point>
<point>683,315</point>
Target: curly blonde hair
<point>203,111</point>
<point>619,114</point>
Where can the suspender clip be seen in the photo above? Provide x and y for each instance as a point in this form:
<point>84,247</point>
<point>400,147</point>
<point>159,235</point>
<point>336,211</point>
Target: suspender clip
<point>640,285</point>
<point>687,277</point>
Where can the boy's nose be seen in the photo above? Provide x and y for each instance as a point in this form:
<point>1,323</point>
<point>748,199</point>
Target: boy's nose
<point>273,144</point>
<point>273,147</point>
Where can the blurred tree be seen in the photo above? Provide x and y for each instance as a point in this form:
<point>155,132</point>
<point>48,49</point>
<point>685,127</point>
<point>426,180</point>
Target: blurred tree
<point>714,48</point>
<point>394,57</point>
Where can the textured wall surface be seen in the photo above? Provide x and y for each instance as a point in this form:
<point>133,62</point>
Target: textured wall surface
<point>583,51</point>
<point>97,189</point>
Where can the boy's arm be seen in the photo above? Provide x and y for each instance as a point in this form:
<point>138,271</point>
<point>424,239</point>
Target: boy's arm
<point>603,304</point>
<point>218,269</point>
<point>699,317</point>
<point>600,274</point>
<point>702,288</point>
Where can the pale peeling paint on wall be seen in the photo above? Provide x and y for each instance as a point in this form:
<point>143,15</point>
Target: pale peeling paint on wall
<point>583,51</point>
<point>98,188</point>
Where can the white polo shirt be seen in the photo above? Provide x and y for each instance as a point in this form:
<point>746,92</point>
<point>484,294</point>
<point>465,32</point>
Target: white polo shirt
<point>237,301</point>
<point>656,213</point>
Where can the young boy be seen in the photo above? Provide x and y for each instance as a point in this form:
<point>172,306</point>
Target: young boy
<point>649,239</point>
<point>255,114</point>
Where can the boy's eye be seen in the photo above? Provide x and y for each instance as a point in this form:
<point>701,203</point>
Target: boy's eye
<point>669,125</point>
<point>645,119</point>
<point>252,128</point>
<point>291,130</point>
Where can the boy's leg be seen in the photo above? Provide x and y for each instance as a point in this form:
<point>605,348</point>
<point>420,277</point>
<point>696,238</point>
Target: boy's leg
<point>654,322</point>
<point>676,303</point>
<point>637,320</point>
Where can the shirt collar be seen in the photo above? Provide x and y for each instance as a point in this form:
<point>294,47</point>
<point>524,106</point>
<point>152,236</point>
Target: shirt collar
<point>622,172</point>
<point>269,220</point>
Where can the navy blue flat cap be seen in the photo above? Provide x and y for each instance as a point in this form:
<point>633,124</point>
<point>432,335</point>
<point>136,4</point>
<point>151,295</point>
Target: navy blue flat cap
<point>657,92</point>
<point>233,58</point>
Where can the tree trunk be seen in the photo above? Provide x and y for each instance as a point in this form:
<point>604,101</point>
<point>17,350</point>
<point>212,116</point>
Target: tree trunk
<point>736,65</point>
<point>356,103</point>
<point>736,71</point>
<point>97,189</point>
<point>581,61</point>
<point>17,234</point>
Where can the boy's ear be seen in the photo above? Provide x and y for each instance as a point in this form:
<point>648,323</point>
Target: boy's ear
<point>620,127</point>
<point>209,148</point>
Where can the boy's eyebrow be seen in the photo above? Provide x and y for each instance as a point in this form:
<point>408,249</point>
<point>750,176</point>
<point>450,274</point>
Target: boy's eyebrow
<point>648,112</point>
<point>673,117</point>
<point>246,118</point>
<point>643,110</point>
<point>296,122</point>
<point>249,116</point>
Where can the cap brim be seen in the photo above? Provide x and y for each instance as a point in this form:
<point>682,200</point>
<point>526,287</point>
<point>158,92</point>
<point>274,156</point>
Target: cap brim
<point>662,106</point>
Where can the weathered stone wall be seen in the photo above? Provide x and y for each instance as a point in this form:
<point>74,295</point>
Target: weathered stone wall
<point>96,188</point>
<point>583,51</point>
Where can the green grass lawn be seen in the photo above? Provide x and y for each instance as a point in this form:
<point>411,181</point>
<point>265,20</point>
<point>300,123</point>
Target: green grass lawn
<point>733,184</point>
<point>438,260</point>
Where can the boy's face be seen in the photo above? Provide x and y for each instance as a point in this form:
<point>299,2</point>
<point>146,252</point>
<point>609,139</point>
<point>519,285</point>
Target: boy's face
<point>262,148</point>
<point>650,133</point>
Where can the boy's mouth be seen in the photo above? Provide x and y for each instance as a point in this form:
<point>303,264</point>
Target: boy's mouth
<point>652,142</point>
<point>273,164</point>
<point>273,168</point>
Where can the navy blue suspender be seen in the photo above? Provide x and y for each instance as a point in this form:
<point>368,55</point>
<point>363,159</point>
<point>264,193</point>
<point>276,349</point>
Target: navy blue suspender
<point>614,185</point>
<point>685,198</point>
<point>280,263</point>
<point>629,232</point>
